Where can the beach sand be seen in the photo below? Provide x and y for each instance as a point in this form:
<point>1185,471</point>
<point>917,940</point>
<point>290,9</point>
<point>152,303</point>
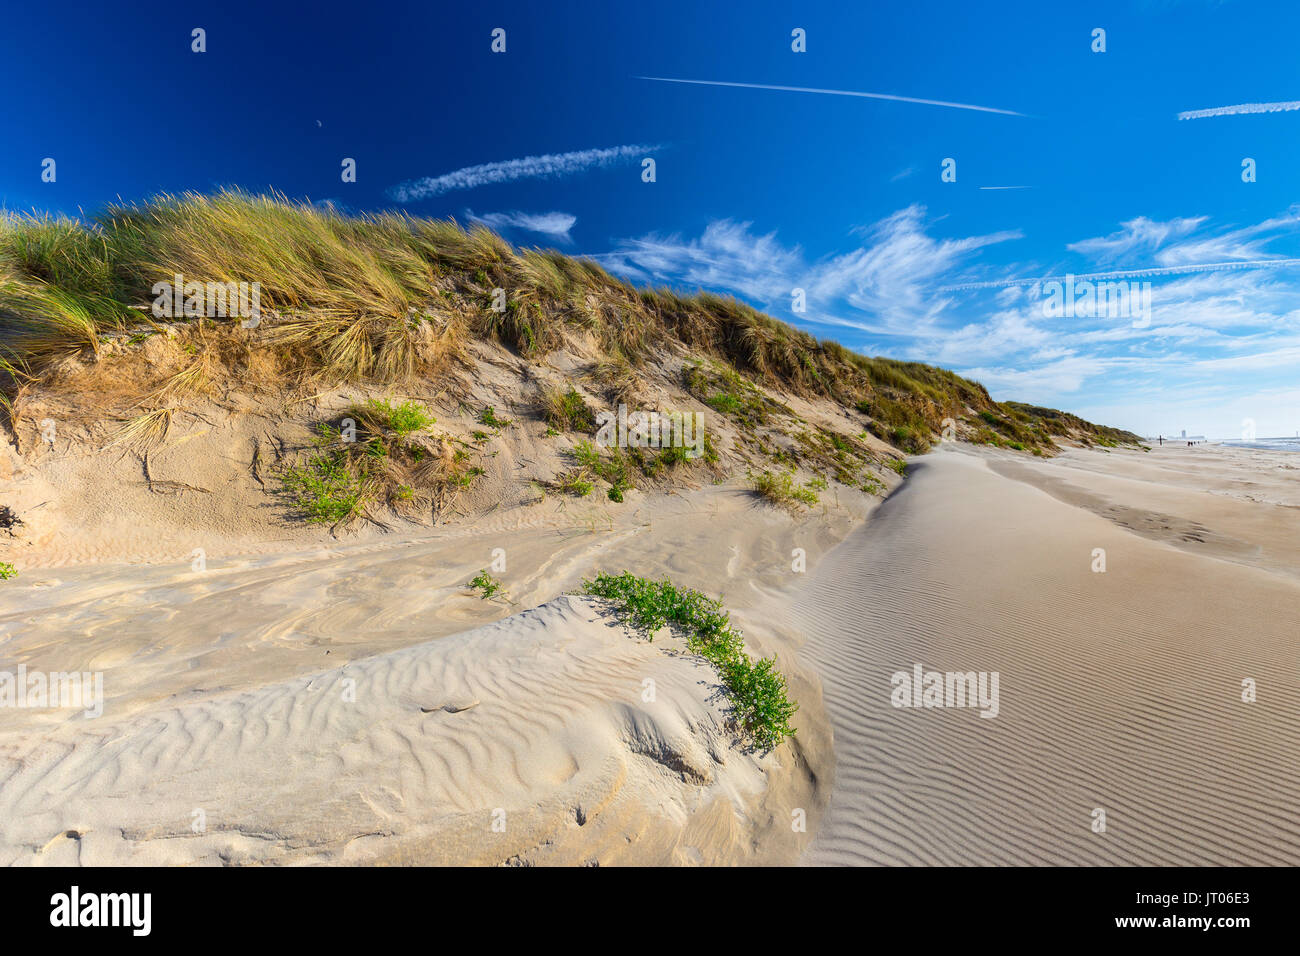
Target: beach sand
<point>1120,691</point>
<point>352,702</point>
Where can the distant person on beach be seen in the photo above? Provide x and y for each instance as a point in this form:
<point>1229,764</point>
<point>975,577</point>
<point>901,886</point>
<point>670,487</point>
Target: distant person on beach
<point>1162,440</point>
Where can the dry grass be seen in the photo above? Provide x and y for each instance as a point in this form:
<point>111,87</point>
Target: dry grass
<point>389,298</point>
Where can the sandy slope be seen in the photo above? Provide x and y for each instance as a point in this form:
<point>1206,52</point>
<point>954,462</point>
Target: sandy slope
<point>1119,690</point>
<point>228,689</point>
<point>224,693</point>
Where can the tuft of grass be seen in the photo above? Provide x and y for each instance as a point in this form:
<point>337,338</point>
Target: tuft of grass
<point>614,469</point>
<point>899,465</point>
<point>782,489</point>
<point>566,410</point>
<point>7,571</point>
<point>486,584</point>
<point>576,482</point>
<point>760,702</point>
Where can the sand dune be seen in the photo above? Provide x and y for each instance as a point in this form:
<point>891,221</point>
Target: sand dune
<point>527,740</point>
<point>1119,691</point>
<point>353,703</point>
<point>222,694</point>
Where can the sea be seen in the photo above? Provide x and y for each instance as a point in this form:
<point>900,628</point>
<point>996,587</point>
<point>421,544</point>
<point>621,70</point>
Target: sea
<point>1273,444</point>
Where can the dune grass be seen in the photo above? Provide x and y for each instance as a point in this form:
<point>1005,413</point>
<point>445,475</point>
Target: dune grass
<point>387,298</point>
<point>565,410</point>
<point>781,488</point>
<point>757,691</point>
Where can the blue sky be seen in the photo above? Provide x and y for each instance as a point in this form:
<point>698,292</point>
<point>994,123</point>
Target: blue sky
<point>758,191</point>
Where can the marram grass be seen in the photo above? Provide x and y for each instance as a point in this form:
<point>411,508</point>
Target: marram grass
<point>388,297</point>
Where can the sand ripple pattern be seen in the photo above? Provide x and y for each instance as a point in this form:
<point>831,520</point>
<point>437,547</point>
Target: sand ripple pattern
<point>1119,691</point>
<point>537,721</point>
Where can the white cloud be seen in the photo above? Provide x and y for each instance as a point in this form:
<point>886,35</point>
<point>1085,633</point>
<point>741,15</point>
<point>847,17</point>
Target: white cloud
<point>1222,328</point>
<point>1136,235</point>
<point>885,286</point>
<point>554,224</point>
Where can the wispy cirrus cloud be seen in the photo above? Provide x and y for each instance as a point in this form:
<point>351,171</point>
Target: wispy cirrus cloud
<point>884,286</point>
<point>554,224</point>
<point>1135,236</point>
<point>1231,325</point>
<point>546,166</point>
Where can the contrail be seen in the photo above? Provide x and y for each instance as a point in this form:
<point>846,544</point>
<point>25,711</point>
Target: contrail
<point>809,89</point>
<point>529,167</point>
<point>1240,109</point>
<point>1129,273</point>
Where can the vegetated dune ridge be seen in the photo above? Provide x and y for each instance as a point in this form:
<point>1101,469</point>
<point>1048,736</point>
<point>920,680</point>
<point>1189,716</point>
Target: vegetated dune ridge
<point>1119,691</point>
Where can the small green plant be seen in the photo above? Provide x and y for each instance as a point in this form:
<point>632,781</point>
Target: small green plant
<point>613,469</point>
<point>487,584</point>
<point>466,477</point>
<point>575,482</point>
<point>899,465</point>
<point>325,487</point>
<point>615,493</point>
<point>489,418</point>
<point>782,489</point>
<point>761,706</point>
<point>404,419</point>
<point>7,571</point>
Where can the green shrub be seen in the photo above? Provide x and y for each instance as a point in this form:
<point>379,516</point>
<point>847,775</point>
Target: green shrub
<point>576,483</point>
<point>325,487</point>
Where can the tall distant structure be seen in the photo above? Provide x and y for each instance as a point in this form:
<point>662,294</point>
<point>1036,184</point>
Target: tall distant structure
<point>1183,433</point>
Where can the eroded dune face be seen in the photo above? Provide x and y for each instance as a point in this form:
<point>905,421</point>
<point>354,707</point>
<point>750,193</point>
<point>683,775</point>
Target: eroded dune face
<point>552,736</point>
